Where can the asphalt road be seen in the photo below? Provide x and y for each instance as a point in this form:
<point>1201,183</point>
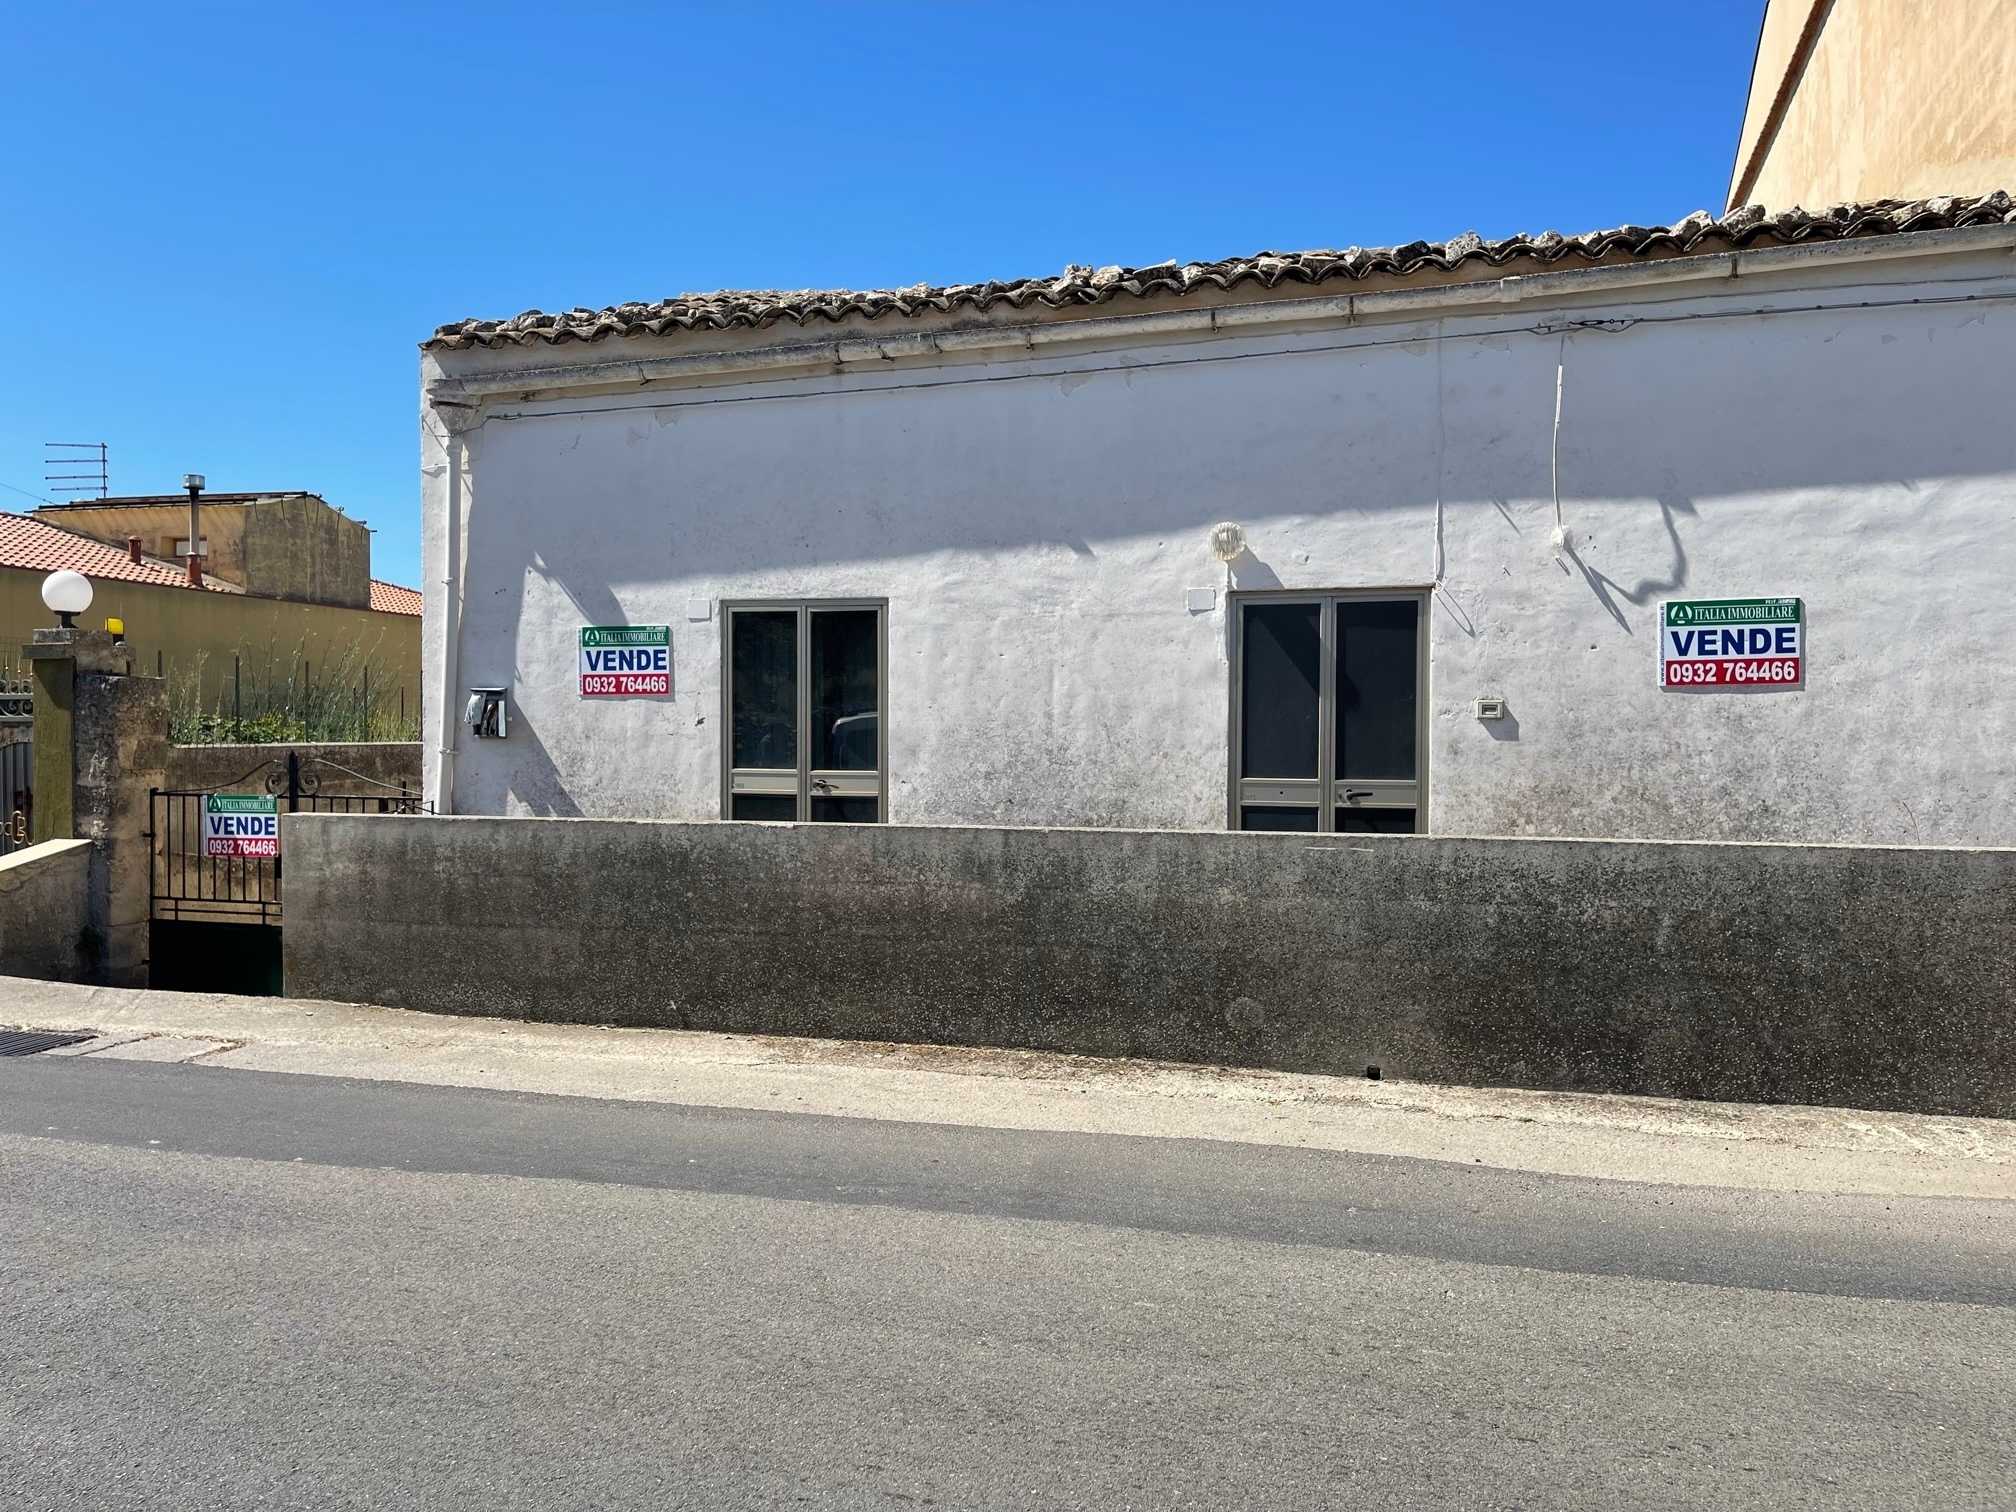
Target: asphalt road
<point>226,1289</point>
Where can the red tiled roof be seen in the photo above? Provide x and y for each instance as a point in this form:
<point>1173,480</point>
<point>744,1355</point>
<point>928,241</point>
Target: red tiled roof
<point>37,546</point>
<point>390,598</point>
<point>33,545</point>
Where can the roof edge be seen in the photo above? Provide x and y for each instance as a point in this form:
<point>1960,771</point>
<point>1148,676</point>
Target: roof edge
<point>867,351</point>
<point>210,500</point>
<point>1080,288</point>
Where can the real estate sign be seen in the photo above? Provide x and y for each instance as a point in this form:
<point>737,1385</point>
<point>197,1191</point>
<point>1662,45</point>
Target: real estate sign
<point>240,824</point>
<point>1732,643</point>
<point>623,661</point>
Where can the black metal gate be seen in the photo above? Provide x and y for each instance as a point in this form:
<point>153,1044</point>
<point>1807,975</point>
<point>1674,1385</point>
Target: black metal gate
<point>17,760</point>
<point>214,921</point>
<point>17,790</point>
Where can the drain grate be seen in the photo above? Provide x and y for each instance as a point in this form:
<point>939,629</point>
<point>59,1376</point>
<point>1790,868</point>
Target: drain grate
<point>35,1041</point>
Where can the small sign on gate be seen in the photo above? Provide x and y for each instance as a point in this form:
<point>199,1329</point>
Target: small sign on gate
<point>240,824</point>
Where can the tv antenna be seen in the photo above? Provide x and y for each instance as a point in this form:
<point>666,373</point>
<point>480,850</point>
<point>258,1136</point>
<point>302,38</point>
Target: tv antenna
<point>93,475</point>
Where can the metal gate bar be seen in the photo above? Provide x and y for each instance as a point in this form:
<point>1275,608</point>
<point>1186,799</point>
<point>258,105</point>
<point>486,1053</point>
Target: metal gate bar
<point>17,792</point>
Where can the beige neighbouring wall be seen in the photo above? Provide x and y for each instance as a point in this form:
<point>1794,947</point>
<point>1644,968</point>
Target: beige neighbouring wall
<point>183,625</point>
<point>1879,99</point>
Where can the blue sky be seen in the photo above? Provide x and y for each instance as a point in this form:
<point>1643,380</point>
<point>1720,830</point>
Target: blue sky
<point>226,228</point>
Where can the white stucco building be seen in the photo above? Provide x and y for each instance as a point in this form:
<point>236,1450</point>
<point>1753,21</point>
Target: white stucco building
<point>945,555</point>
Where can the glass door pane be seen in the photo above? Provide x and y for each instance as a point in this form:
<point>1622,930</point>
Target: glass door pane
<point>846,721</point>
<point>764,670</point>
<point>804,713</point>
<point>1375,821</point>
<point>1376,679</point>
<point>1258,816</point>
<point>1281,675</point>
<point>846,811</point>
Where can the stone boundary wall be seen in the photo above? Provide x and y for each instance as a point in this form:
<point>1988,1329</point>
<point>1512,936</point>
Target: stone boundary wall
<point>390,762</point>
<point>45,909</point>
<point>1876,977</point>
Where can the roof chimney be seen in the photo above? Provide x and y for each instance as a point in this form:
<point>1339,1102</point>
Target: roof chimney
<point>194,483</point>
<point>133,547</point>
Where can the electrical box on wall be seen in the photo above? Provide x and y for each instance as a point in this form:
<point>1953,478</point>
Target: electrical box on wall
<point>1490,708</point>
<point>486,713</point>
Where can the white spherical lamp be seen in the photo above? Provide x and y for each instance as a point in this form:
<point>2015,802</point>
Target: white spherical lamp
<point>68,594</point>
<point>1227,541</point>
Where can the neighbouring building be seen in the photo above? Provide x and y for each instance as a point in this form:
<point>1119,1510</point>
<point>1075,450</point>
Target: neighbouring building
<point>1878,99</point>
<point>286,581</point>
<point>290,545</point>
<point>1698,531</point>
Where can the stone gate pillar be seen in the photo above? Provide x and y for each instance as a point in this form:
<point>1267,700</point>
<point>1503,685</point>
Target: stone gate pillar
<point>101,741</point>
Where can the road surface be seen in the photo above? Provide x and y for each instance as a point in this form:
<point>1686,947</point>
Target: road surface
<point>234,1289</point>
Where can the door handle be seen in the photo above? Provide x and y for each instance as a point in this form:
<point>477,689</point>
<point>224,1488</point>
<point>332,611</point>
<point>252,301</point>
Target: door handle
<point>1349,793</point>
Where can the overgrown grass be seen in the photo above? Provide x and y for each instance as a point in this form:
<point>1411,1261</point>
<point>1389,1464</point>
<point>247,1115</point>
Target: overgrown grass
<point>272,700</point>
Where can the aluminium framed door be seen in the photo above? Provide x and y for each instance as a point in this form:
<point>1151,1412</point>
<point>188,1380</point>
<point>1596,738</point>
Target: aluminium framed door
<point>1329,712</point>
<point>803,691</point>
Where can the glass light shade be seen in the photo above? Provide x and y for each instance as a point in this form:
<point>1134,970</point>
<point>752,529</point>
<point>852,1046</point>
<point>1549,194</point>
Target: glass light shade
<point>66,592</point>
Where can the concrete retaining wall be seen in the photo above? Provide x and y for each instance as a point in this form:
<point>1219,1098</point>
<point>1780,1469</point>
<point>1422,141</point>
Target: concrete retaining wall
<point>45,895</point>
<point>1870,977</point>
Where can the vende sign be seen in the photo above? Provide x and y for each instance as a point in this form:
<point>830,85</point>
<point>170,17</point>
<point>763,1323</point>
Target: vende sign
<point>620,661</point>
<point>1732,643</point>
<point>240,824</point>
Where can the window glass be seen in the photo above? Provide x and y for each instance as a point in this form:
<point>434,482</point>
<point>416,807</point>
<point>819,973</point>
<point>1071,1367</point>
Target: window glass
<point>766,689</point>
<point>844,703</point>
<point>770,806</point>
<point>1258,817</point>
<point>1375,688</point>
<point>1282,658</point>
<point>845,811</point>
<point>1371,821</point>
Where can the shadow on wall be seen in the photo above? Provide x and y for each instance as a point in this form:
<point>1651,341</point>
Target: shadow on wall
<point>861,475</point>
<point>1250,574</point>
<point>535,781</point>
<point>530,777</point>
<point>1646,590</point>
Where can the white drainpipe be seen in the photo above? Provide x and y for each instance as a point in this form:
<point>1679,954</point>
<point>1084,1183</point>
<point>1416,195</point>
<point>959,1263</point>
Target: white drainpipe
<point>454,551</point>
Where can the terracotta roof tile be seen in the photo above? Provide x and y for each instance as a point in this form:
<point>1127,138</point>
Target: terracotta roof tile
<point>390,598</point>
<point>37,546</point>
<point>1079,286</point>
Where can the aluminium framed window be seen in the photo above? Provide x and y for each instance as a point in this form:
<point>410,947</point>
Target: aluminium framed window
<point>804,732</point>
<point>1329,720</point>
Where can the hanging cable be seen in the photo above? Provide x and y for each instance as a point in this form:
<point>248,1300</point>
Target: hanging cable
<point>1560,379</point>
